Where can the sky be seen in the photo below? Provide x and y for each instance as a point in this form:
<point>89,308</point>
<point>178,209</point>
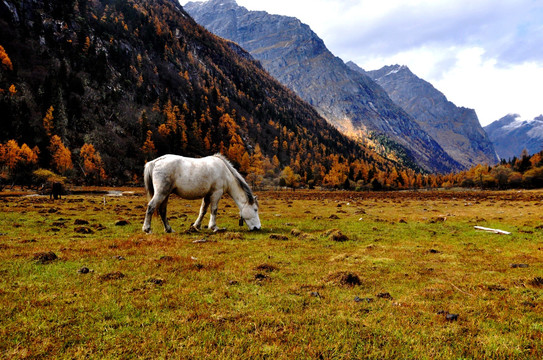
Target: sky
<point>482,54</point>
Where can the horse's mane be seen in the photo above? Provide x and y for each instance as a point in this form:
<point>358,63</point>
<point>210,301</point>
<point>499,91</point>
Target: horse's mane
<point>241,181</point>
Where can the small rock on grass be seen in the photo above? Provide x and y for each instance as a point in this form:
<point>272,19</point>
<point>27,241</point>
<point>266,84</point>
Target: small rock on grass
<point>316,294</point>
<point>451,317</point>
<point>84,270</point>
<point>448,316</point>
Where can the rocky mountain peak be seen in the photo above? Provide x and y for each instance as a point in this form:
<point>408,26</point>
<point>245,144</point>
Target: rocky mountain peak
<point>291,52</point>
<point>511,135</point>
<point>456,129</point>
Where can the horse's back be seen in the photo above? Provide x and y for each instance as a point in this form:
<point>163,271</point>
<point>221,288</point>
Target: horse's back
<point>190,178</point>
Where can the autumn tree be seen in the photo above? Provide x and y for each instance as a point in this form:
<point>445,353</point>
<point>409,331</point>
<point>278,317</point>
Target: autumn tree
<point>61,157</point>
<point>87,45</point>
<point>19,162</point>
<point>337,176</point>
<point>48,121</point>
<point>501,173</point>
<point>289,178</point>
<point>91,163</point>
<point>256,169</point>
<point>148,148</point>
<point>5,60</point>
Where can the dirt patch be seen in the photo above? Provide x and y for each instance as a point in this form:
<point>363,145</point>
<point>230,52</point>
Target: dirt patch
<point>83,230</point>
<point>384,295</point>
<point>266,267</point>
<point>344,278</point>
<point>536,282</point>
<point>156,281</point>
<point>45,257</point>
<point>278,237</point>
<point>112,276</point>
<point>335,235</point>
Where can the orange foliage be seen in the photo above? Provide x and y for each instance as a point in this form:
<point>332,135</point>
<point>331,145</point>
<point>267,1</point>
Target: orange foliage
<point>87,44</point>
<point>12,90</point>
<point>61,156</point>
<point>48,121</point>
<point>12,156</point>
<point>4,59</point>
<point>148,147</point>
<point>92,162</point>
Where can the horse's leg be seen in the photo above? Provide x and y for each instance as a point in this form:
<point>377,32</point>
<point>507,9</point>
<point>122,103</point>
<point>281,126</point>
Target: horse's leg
<point>155,202</point>
<point>162,209</point>
<point>215,197</point>
<point>203,210</point>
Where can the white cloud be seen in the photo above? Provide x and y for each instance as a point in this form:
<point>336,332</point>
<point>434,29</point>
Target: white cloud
<point>483,54</point>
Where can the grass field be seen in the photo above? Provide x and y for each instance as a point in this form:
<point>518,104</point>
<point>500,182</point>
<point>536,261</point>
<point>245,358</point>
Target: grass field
<point>333,275</point>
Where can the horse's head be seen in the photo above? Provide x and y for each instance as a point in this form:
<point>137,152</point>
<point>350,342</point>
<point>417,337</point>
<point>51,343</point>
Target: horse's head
<point>249,214</point>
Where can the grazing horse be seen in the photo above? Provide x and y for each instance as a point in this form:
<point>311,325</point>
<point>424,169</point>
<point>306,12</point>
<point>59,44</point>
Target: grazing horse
<point>208,178</point>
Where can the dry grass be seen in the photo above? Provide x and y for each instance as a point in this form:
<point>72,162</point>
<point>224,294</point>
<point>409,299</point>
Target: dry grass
<point>333,275</point>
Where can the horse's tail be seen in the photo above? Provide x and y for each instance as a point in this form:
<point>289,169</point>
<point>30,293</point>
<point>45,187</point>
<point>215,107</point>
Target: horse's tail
<point>148,178</point>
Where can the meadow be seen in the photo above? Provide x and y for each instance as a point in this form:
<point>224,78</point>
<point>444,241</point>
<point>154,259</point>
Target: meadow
<point>332,275</point>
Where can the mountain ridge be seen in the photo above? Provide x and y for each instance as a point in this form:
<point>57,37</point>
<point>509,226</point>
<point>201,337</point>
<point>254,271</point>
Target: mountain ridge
<point>456,129</point>
<point>511,135</point>
<point>290,51</point>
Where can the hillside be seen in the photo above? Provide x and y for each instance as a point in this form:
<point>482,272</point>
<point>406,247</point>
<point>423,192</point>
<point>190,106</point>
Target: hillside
<point>456,129</point>
<point>291,52</point>
<point>134,79</point>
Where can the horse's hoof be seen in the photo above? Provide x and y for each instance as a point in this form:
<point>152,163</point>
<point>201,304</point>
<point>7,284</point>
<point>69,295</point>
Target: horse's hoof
<point>192,229</point>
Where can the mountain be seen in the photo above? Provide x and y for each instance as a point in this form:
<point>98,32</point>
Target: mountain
<point>511,135</point>
<point>136,79</point>
<point>291,52</point>
<point>456,129</point>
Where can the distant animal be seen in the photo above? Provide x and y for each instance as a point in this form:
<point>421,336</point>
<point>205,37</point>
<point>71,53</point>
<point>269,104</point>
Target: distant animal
<point>207,178</point>
<point>56,191</point>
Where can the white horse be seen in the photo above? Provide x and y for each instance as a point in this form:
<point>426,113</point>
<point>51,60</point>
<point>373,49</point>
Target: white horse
<point>208,178</point>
